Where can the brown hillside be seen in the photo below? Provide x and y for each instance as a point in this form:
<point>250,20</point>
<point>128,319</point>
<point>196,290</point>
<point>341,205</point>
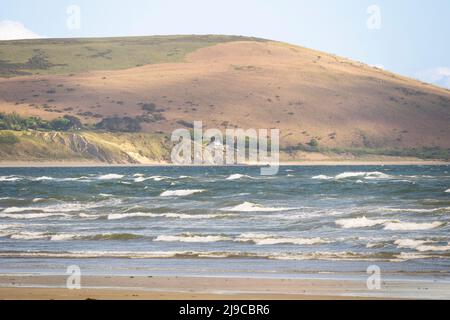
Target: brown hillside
<point>250,84</point>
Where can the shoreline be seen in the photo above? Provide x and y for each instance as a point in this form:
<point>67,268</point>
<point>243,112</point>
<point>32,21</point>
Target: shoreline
<point>44,287</point>
<point>40,287</point>
<point>70,164</point>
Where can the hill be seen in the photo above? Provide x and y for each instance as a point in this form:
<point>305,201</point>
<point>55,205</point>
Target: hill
<point>320,102</point>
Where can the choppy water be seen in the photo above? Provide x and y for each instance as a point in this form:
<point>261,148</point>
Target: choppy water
<point>316,221</point>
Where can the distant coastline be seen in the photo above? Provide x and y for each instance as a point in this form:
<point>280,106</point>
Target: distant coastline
<point>63,164</point>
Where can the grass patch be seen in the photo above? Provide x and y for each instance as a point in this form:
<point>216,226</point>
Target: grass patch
<point>68,56</point>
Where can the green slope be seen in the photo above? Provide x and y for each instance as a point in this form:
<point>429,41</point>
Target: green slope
<point>65,56</point>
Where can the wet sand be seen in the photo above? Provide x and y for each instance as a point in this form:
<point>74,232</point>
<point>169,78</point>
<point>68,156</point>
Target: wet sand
<point>190,288</point>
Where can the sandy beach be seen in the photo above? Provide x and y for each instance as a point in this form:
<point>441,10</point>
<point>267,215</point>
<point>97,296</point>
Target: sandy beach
<point>191,288</point>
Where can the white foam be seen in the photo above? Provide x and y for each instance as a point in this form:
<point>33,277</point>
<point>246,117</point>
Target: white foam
<point>180,193</point>
<point>118,216</point>
<point>20,209</point>
<point>9,178</point>
<point>361,222</point>
<point>447,191</point>
<point>27,235</point>
<point>322,177</point>
<point>421,245</point>
<point>44,178</point>
<point>411,226</point>
<point>62,237</point>
<point>409,243</point>
<point>363,174</point>
<point>263,239</point>
<point>157,178</point>
<point>252,207</point>
<point>237,176</point>
<point>110,176</point>
<point>366,175</point>
<point>31,215</point>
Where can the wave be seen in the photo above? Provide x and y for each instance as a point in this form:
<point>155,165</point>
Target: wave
<point>447,191</point>
<point>330,256</point>
<point>368,175</point>
<point>154,178</point>
<point>421,245</point>
<point>62,207</point>
<point>361,222</point>
<point>237,176</point>
<point>415,210</point>
<point>189,237</point>
<point>20,209</point>
<point>111,176</point>
<point>28,235</point>
<point>118,216</point>
<point>140,179</point>
<point>180,193</point>
<point>43,178</point>
<point>252,207</point>
<point>411,226</point>
<point>263,239</point>
<point>106,195</point>
<point>9,178</point>
<point>157,178</point>
<point>31,215</point>
<point>322,177</point>
<point>112,236</point>
<point>391,225</point>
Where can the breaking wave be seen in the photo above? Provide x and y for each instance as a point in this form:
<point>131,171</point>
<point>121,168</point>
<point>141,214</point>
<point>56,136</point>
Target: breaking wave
<point>237,176</point>
<point>392,225</point>
<point>180,193</point>
<point>252,207</point>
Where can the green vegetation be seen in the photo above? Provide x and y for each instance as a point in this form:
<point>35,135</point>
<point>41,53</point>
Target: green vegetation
<point>117,124</point>
<point>313,143</point>
<point>14,121</point>
<point>8,138</point>
<point>66,56</point>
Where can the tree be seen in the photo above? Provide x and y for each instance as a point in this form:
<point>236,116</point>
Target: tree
<point>60,124</point>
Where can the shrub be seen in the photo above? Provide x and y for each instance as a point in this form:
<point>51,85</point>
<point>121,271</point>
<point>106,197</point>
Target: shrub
<point>117,124</point>
<point>60,124</point>
<point>8,138</point>
<point>313,143</point>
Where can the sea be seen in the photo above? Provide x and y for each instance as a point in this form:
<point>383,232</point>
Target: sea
<point>330,222</point>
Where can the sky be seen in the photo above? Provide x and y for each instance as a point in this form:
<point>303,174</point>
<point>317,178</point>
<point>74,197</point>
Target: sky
<point>410,37</point>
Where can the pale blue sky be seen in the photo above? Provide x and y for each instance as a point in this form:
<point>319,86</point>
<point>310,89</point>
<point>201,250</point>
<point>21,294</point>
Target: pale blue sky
<point>413,39</point>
